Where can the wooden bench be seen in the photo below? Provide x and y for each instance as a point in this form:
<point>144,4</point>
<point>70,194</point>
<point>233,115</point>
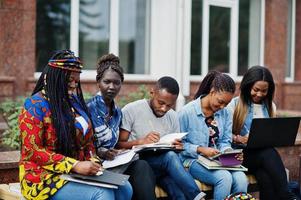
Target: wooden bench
<point>10,191</point>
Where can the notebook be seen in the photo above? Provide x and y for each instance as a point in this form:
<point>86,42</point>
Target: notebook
<point>228,158</point>
<point>213,164</point>
<point>107,179</point>
<point>273,132</point>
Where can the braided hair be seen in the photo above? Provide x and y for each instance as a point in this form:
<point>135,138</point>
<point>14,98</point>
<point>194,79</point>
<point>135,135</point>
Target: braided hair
<point>108,61</point>
<point>53,83</point>
<point>218,81</point>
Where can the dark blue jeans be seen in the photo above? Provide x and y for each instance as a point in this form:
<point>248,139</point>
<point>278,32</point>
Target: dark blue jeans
<point>172,176</point>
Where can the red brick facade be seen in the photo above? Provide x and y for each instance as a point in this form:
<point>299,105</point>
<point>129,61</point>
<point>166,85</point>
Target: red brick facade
<point>17,52</point>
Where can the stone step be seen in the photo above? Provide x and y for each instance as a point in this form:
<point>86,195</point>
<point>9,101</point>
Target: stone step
<point>9,167</point>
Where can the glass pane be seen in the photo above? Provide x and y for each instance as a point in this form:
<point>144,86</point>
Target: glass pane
<point>243,36</point>
<point>196,38</point>
<point>93,31</point>
<point>132,36</point>
<point>249,34</point>
<point>289,40</point>
<point>52,29</point>
<point>219,38</point>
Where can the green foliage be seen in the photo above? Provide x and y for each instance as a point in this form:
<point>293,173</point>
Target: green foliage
<point>141,93</point>
<point>87,96</point>
<point>10,110</point>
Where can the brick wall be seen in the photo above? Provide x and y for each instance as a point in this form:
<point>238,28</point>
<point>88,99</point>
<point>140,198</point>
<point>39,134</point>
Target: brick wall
<point>17,45</point>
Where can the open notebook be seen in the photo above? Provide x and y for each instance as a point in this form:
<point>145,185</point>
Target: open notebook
<point>228,158</point>
<point>165,142</point>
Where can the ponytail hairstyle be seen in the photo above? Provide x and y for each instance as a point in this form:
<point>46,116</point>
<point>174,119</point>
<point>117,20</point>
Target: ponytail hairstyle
<point>108,61</point>
<point>220,82</point>
<point>53,84</point>
<point>254,74</point>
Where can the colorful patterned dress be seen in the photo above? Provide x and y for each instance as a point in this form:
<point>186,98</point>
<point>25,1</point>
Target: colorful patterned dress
<point>40,165</point>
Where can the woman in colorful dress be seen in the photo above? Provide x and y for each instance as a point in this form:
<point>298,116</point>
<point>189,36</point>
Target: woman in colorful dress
<point>57,137</point>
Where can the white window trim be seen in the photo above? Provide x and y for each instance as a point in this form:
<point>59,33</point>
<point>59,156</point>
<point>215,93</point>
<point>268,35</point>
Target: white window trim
<point>262,33</point>
<point>114,27</point>
<point>293,40</point>
<point>74,26</point>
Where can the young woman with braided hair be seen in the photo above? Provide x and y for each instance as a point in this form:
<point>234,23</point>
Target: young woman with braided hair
<point>209,125</point>
<point>57,136</point>
<point>106,117</point>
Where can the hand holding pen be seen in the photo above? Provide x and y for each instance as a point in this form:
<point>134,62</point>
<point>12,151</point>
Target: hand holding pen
<point>97,163</point>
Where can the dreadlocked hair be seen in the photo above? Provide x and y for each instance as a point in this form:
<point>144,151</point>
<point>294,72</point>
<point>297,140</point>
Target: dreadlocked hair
<point>54,82</point>
<point>254,74</point>
<point>220,82</point>
<point>108,61</point>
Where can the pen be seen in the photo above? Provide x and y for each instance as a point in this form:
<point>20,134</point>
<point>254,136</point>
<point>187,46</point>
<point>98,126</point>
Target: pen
<point>95,160</point>
<point>213,142</point>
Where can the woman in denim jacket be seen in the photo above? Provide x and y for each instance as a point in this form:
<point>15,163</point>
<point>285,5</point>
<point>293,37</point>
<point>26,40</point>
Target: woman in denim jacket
<point>209,131</point>
<point>256,101</point>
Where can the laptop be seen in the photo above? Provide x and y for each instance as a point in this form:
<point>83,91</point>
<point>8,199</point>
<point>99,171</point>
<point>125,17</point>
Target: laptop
<point>273,132</point>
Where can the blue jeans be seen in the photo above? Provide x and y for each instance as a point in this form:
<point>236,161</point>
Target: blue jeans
<point>172,176</point>
<point>78,191</point>
<point>225,182</point>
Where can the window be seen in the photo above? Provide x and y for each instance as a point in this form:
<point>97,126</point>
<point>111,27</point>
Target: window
<point>92,28</point>
<point>221,36</point>
<point>94,31</point>
<point>132,36</point>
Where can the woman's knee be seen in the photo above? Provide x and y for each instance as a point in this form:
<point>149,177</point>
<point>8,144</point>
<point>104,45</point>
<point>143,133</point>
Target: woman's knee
<point>240,180</point>
<point>224,177</point>
<point>97,193</point>
<point>124,192</point>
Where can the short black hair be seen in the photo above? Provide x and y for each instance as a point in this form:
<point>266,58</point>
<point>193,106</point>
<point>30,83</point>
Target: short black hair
<point>169,84</point>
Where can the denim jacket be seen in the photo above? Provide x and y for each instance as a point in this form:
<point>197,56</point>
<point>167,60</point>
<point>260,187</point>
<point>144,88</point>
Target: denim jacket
<point>247,125</point>
<point>192,120</point>
<point>106,132</point>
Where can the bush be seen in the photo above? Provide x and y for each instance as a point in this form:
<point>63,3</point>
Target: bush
<point>10,110</point>
<point>141,93</point>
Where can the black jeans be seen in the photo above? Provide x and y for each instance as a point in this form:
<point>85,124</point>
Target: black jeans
<point>142,179</point>
<point>267,166</point>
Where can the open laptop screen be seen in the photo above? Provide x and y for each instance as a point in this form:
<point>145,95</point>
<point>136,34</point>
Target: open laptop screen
<point>273,132</point>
